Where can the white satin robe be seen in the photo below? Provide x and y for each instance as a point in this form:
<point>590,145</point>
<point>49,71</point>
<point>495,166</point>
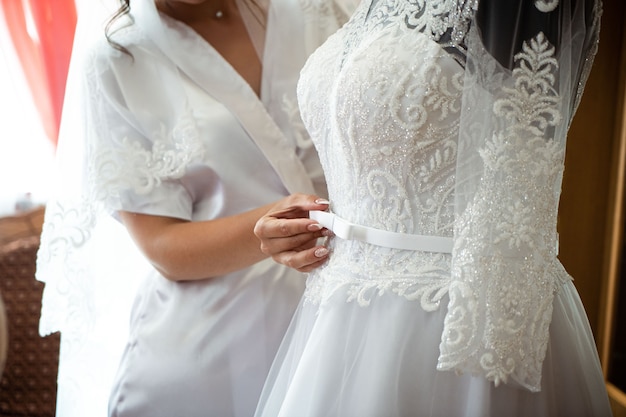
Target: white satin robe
<point>175,131</point>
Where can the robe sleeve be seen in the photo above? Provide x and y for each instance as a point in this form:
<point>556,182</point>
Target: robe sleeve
<point>114,154</point>
<point>527,62</point>
<point>139,147</point>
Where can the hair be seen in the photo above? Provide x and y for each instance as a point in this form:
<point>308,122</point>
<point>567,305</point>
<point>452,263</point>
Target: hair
<point>109,30</point>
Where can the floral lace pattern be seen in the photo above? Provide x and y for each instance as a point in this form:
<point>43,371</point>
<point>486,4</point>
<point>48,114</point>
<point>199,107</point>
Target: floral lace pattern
<point>444,21</point>
<point>423,277</point>
<point>391,169</point>
<point>66,230</point>
<point>129,164</point>
<point>509,248</point>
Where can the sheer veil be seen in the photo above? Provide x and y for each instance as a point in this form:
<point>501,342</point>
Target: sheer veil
<point>89,283</point>
<point>525,69</point>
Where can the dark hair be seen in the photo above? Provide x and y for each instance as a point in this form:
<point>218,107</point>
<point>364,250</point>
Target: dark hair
<point>109,30</point>
<point>124,10</point>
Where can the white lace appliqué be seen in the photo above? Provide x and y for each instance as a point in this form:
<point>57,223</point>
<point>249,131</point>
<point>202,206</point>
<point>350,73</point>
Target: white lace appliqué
<point>130,165</point>
<point>390,157</point>
<point>65,231</point>
<point>505,271</point>
<point>422,277</point>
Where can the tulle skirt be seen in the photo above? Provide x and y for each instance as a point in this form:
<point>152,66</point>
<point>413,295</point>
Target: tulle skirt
<point>341,359</point>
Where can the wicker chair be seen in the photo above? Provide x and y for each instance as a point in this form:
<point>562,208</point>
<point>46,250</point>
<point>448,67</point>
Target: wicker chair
<point>28,384</point>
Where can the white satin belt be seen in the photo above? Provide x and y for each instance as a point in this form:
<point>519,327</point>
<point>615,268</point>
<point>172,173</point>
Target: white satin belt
<point>350,231</point>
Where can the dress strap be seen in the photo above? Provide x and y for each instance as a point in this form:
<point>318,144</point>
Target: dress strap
<point>350,231</point>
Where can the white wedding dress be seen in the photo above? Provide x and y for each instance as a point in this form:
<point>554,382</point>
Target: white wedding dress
<point>421,131</point>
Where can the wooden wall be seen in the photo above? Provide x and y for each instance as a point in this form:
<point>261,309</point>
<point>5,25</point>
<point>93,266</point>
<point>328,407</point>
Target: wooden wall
<point>592,212</point>
<point>589,180</point>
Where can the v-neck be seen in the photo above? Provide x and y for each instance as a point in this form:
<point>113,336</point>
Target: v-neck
<point>193,57</point>
<point>187,37</point>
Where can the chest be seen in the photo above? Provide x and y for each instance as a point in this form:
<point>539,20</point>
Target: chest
<point>381,88</point>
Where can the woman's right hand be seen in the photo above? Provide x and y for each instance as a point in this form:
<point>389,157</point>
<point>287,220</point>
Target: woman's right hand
<point>289,236</point>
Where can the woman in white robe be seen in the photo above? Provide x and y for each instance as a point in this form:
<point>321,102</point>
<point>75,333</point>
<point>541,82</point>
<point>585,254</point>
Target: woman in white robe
<point>441,126</point>
<point>177,132</point>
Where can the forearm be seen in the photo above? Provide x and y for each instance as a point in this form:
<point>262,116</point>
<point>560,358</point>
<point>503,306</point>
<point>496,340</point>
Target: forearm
<point>183,250</point>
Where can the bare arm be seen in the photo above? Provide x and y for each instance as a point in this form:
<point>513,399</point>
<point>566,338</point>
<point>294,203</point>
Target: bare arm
<point>182,250</point>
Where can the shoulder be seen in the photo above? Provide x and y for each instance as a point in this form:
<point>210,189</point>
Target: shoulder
<point>125,45</point>
<point>118,69</point>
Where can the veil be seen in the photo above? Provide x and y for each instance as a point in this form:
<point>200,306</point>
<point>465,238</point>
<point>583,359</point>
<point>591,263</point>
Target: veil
<point>525,70</point>
<point>89,283</point>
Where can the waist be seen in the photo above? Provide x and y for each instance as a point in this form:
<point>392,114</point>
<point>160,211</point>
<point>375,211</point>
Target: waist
<point>406,241</point>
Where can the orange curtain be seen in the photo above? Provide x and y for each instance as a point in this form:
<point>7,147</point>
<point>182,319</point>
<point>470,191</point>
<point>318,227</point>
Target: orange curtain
<point>42,32</point>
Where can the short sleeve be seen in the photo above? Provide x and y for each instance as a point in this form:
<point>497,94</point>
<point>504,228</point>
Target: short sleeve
<point>170,199</point>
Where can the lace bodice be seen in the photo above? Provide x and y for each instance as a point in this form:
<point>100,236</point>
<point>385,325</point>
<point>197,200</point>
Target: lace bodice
<point>385,122</point>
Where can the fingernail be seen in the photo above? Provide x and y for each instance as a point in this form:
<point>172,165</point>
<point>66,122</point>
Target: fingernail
<point>327,233</point>
<point>322,201</point>
<point>314,227</point>
<point>321,252</point>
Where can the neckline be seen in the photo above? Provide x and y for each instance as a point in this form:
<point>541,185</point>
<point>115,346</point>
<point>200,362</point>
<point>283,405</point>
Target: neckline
<point>186,34</point>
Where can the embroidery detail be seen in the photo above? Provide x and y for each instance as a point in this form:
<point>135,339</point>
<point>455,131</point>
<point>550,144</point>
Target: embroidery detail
<point>131,165</point>
<point>423,277</point>
<point>391,154</point>
<point>386,125</point>
<point>517,275</point>
<point>66,231</point>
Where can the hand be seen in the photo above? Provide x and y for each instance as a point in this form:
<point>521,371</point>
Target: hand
<point>289,236</point>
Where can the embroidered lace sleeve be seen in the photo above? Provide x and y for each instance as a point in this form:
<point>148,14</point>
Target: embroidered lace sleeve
<point>525,70</point>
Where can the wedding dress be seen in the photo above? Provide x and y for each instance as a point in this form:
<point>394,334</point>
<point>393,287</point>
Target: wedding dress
<point>448,119</point>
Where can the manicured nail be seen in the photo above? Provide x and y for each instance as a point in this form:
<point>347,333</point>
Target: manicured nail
<point>314,227</point>
<point>327,233</point>
<point>322,201</point>
<point>321,252</point>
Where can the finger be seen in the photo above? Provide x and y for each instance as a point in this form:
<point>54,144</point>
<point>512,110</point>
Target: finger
<point>270,228</point>
<point>304,261</point>
<point>299,206</point>
<point>294,243</point>
<point>314,258</point>
<point>311,267</point>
